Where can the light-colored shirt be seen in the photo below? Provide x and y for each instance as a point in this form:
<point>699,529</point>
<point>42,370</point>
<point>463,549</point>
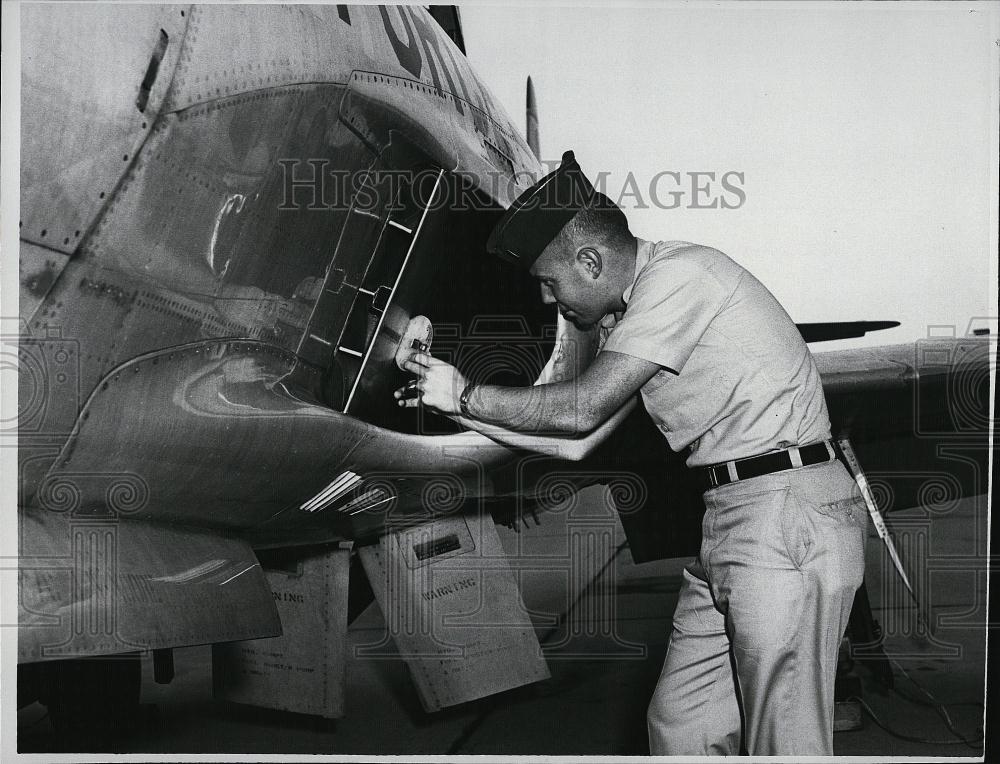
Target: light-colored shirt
<point>737,378</point>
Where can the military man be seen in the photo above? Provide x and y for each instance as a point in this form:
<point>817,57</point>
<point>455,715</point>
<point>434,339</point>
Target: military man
<point>725,374</point>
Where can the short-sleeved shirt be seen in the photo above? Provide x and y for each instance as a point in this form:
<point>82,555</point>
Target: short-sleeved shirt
<point>737,378</point>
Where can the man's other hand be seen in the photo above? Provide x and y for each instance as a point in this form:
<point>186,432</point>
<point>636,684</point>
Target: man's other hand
<point>439,384</point>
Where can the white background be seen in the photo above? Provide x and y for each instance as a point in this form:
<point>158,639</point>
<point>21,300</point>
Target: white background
<point>866,134</point>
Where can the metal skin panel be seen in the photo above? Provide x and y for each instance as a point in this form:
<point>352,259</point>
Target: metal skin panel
<point>423,80</point>
<point>235,49</point>
<point>249,453</point>
<point>38,267</point>
<point>83,100</point>
<point>195,243</point>
<point>101,583</point>
<point>244,48</point>
<point>205,214</point>
<point>490,156</point>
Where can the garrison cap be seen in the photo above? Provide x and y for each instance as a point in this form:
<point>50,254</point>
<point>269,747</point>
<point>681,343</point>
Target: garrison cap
<point>538,215</point>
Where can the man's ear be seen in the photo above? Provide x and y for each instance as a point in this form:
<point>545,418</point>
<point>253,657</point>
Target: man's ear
<point>590,260</point>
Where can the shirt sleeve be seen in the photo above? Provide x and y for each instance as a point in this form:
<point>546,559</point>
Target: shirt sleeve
<point>672,304</point>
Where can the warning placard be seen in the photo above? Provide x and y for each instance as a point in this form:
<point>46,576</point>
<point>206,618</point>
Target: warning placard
<point>453,611</point>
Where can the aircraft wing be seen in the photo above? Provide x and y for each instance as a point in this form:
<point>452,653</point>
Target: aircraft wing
<point>147,585</point>
<point>917,415</point>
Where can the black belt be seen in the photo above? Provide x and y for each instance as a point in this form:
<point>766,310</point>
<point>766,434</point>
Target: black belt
<point>775,461</point>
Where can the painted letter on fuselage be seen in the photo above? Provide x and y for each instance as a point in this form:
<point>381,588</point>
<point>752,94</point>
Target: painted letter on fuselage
<point>408,55</point>
<point>432,52</point>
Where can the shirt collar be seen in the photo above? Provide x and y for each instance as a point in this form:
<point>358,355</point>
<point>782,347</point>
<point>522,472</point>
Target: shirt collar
<point>643,251</point>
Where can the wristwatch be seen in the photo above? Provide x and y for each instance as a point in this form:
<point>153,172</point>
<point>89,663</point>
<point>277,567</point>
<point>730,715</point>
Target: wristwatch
<point>463,400</point>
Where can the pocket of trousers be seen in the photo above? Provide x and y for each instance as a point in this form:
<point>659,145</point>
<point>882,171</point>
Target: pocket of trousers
<point>796,530</point>
<point>841,527</point>
<point>759,530</point>
<point>853,511</point>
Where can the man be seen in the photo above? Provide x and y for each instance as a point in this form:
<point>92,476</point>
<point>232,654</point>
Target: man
<point>724,373</point>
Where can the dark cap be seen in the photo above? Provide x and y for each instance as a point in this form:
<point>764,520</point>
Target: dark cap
<point>538,215</point>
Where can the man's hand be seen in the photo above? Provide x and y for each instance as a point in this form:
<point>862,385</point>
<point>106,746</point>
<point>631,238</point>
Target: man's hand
<point>439,384</point>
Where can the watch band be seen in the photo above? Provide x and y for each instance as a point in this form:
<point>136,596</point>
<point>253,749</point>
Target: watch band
<point>463,400</point>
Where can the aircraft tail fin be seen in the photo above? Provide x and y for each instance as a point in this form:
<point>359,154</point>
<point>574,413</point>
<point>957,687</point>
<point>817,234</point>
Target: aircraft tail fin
<point>531,119</point>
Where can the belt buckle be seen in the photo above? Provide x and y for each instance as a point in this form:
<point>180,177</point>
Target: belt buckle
<point>713,481</point>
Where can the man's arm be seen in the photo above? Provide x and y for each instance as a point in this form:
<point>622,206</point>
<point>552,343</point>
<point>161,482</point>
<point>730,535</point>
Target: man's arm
<point>575,406</point>
<point>572,407</point>
<point>574,350</point>
<point>559,446</point>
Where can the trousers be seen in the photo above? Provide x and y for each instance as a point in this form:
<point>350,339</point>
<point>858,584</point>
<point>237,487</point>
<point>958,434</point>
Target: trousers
<point>752,657</point>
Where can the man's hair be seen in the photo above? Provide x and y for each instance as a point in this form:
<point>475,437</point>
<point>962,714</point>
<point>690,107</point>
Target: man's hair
<point>601,222</point>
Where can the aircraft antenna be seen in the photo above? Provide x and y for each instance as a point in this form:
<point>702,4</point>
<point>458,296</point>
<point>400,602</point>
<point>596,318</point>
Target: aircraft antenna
<point>531,120</point>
